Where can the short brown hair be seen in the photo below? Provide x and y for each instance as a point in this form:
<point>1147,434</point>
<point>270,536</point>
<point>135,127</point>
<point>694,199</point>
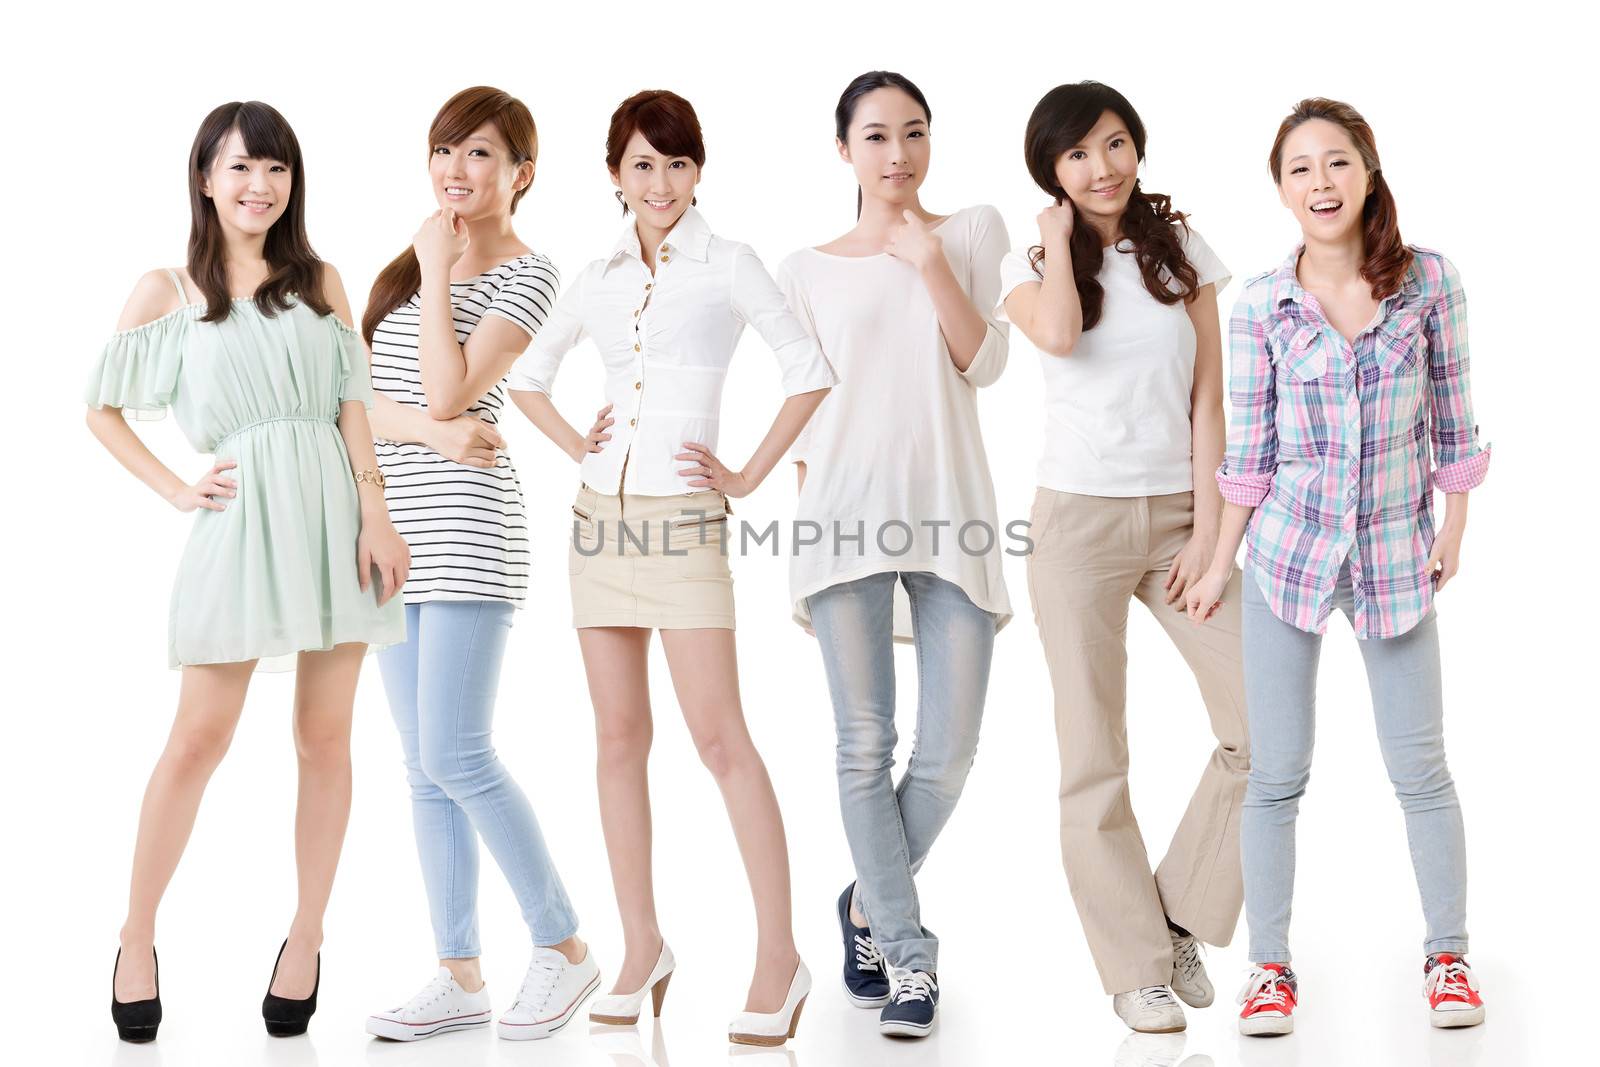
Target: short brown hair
<point>665,119</point>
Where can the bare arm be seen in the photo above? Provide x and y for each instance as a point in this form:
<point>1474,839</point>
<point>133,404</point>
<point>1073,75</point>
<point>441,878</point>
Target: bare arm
<point>1208,431</point>
<point>786,426</point>
<point>379,545</point>
<point>1049,312</point>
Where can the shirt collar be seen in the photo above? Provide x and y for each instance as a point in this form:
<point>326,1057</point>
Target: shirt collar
<point>690,236</point>
<point>1286,285</point>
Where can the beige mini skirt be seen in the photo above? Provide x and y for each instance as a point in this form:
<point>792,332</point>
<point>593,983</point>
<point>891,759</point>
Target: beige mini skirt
<point>653,561</point>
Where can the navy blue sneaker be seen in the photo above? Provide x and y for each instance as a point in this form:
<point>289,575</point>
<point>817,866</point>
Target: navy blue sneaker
<point>865,982</point>
<point>913,1002</point>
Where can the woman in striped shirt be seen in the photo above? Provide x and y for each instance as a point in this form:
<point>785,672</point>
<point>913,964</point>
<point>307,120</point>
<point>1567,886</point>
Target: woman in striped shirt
<point>445,321</point>
<point>1349,366</point>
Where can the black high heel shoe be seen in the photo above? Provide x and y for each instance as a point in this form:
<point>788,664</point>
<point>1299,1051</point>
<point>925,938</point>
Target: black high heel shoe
<point>136,1019</point>
<point>285,1017</point>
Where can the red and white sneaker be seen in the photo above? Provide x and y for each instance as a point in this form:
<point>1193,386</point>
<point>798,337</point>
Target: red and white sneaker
<point>1269,998</point>
<point>1452,992</point>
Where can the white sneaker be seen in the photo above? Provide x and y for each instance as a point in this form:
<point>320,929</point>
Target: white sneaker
<point>439,1007</point>
<point>550,994</point>
<point>1150,1010</point>
<point>1189,979</point>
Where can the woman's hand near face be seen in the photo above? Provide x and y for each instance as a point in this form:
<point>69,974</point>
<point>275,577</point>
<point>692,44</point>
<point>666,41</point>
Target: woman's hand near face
<point>1055,225</point>
<point>440,241</point>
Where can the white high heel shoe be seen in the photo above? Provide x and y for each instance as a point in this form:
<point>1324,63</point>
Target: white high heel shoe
<point>622,1009</point>
<point>773,1028</point>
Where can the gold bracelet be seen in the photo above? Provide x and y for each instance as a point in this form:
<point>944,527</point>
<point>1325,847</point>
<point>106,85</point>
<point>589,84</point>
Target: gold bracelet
<point>370,475</point>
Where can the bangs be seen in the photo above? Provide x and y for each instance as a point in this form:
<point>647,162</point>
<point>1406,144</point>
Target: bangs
<point>266,135</point>
<point>671,127</point>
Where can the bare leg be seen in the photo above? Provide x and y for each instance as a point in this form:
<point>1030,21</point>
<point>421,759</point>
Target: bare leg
<point>705,673</point>
<point>209,703</point>
<point>616,659</point>
<point>324,697</point>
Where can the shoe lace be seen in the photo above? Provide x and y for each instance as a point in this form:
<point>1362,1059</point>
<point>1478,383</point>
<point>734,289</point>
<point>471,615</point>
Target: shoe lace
<point>1450,980</point>
<point>913,985</point>
<point>538,983</point>
<point>868,958</point>
<point>1265,988</point>
<point>425,996</point>
<point>1186,955</point>
<point>1154,996</point>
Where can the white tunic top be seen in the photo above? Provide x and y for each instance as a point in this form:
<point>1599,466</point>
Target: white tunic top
<point>895,451</point>
<point>1117,408</point>
<point>666,341</point>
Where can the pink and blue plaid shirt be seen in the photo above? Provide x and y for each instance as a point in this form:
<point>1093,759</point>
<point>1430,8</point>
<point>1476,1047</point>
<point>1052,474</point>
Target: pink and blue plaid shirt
<point>1330,442</point>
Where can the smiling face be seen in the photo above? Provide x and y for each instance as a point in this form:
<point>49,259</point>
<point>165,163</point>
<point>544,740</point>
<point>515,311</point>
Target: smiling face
<point>888,145</point>
<point>1098,173</point>
<point>656,188</point>
<point>249,194</point>
<point>1323,180</point>
<point>478,177</point>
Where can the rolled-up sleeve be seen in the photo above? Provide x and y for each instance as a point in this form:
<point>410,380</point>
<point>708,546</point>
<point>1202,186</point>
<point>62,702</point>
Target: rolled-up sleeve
<point>1251,460</point>
<point>760,304</point>
<point>990,246</point>
<point>1460,464</point>
<point>535,370</point>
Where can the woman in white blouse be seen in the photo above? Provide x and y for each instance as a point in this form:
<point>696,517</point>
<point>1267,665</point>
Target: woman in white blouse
<point>896,503</point>
<point>665,308</point>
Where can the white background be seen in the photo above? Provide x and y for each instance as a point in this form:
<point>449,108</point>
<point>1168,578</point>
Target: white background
<point>1485,126</point>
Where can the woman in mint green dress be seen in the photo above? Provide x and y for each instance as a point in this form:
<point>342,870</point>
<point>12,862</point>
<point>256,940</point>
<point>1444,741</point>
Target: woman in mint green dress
<point>292,562</point>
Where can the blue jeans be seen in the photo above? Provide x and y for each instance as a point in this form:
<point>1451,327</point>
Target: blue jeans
<point>890,828</point>
<point>441,685</point>
<point>1280,672</point>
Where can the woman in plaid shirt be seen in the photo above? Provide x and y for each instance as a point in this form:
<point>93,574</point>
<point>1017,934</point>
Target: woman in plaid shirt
<point>1350,406</point>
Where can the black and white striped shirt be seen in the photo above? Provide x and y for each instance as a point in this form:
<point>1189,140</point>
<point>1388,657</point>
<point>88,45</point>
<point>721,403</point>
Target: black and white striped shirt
<point>466,526</point>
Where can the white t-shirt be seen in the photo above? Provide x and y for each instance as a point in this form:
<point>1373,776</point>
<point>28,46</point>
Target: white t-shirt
<point>896,444</point>
<point>1117,408</point>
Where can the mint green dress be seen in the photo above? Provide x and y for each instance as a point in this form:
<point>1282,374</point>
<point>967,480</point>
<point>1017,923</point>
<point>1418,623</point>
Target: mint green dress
<point>274,573</point>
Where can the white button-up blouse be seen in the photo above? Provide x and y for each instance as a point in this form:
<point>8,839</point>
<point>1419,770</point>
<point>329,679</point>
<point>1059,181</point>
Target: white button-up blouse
<point>667,340</point>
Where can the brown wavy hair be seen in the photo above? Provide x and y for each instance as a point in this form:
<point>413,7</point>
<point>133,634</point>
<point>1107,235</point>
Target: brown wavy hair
<point>1060,121</point>
<point>1387,257</point>
<point>460,115</point>
<point>293,269</point>
<point>665,119</point>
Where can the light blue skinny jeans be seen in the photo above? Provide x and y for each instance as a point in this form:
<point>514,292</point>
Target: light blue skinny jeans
<point>441,685</point>
<point>891,828</point>
<point>1403,673</point>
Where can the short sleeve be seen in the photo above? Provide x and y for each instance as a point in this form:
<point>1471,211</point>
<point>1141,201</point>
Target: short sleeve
<point>528,295</point>
<point>138,369</point>
<point>1207,264</point>
<point>758,301</point>
<point>1016,269</point>
<point>987,250</point>
<point>535,370</point>
<point>794,295</point>
<point>355,372</point>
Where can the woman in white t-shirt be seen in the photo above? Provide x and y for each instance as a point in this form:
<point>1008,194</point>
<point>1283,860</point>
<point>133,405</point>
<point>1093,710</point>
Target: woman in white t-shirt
<point>896,503</point>
<point>1120,298</point>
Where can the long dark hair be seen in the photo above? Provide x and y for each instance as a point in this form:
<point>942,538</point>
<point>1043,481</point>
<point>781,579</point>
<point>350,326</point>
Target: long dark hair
<point>1387,257</point>
<point>460,115</point>
<point>666,120</point>
<point>845,112</point>
<point>1062,119</point>
<point>293,269</point>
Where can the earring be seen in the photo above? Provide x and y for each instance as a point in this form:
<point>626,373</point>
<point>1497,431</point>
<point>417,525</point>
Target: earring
<point>619,196</point>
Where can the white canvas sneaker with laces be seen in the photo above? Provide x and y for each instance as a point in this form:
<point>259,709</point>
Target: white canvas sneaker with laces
<point>550,995</point>
<point>1189,979</point>
<point>1150,1009</point>
<point>440,1007</point>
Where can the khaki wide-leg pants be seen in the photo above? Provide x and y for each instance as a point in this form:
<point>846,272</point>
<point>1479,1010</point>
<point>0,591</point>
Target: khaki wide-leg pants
<point>1092,555</point>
